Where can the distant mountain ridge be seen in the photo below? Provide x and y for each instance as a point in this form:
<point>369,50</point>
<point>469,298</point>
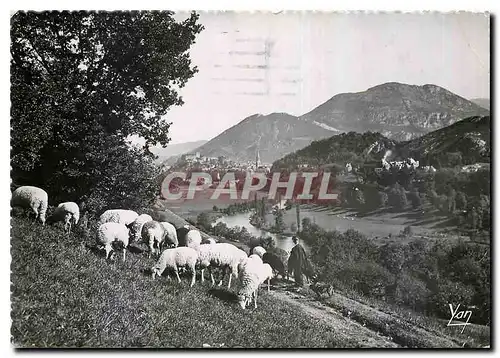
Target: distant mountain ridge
<point>175,150</point>
<point>482,102</point>
<point>274,135</point>
<point>397,111</point>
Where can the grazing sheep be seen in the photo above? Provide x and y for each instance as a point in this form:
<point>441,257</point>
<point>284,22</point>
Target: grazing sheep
<point>181,234</point>
<point>252,258</point>
<point>276,263</point>
<point>170,234</point>
<point>193,239</point>
<point>31,197</point>
<point>153,233</point>
<point>68,212</point>
<point>208,241</point>
<point>251,276</point>
<point>258,250</point>
<point>135,226</point>
<point>175,258</point>
<point>125,217</point>
<point>113,236</point>
<point>220,255</point>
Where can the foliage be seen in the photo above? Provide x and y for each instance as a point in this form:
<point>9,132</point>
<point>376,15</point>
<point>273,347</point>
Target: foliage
<point>419,274</point>
<point>82,84</point>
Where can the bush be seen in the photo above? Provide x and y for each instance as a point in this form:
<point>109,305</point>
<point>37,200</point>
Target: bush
<point>449,293</point>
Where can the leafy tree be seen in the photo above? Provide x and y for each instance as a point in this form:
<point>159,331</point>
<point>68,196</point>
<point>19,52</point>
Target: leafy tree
<point>203,221</point>
<point>82,83</point>
<point>279,223</point>
<point>415,200</point>
<point>452,206</point>
<point>460,200</point>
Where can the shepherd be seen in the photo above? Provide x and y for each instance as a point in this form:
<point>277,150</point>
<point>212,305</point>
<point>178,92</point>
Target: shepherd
<point>298,263</point>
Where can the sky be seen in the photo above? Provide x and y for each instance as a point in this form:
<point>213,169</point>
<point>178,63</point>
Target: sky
<point>294,61</point>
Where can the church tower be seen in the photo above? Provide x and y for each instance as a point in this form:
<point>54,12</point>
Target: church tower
<point>257,159</point>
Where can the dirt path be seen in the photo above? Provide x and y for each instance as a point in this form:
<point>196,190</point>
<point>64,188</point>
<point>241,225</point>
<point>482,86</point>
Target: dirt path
<point>344,326</point>
<point>368,325</point>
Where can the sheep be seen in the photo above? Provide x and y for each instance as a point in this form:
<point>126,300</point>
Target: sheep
<point>175,258</point>
<point>193,239</point>
<point>258,250</point>
<point>121,216</point>
<point>153,233</point>
<point>252,258</point>
<point>135,226</point>
<point>220,254</point>
<point>170,234</point>
<point>251,276</point>
<point>31,197</point>
<point>69,212</point>
<point>276,263</point>
<point>181,234</point>
<point>208,241</point>
<point>113,236</point>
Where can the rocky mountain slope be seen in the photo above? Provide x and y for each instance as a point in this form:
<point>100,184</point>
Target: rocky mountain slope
<point>396,110</point>
<point>275,135</point>
<point>470,137</point>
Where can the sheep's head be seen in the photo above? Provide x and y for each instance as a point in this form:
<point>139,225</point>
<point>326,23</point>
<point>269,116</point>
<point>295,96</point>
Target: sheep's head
<point>243,300</point>
<point>155,272</point>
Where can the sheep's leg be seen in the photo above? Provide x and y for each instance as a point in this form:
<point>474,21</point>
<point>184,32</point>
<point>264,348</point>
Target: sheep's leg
<point>202,275</point>
<point>108,249</point>
<point>177,274</point>
<point>269,284</point>
<point>124,251</point>
<point>193,279</point>
<point>211,275</point>
<point>230,277</point>
<point>222,279</point>
<point>255,297</point>
<point>151,247</point>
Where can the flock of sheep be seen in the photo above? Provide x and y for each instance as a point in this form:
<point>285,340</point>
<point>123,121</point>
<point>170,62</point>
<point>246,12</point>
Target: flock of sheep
<point>181,248</point>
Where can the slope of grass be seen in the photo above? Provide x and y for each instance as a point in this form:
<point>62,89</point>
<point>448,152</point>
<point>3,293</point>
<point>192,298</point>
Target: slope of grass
<point>66,295</point>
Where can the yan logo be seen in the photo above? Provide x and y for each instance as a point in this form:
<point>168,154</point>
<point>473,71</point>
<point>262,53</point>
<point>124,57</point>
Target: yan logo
<point>459,316</point>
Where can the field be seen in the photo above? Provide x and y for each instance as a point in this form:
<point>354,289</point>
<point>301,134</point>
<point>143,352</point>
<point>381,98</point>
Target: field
<point>65,294</point>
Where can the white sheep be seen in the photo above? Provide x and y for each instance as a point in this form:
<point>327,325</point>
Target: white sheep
<point>153,233</point>
<point>251,276</point>
<point>170,234</point>
<point>252,258</point>
<point>69,212</point>
<point>220,255</point>
<point>175,258</point>
<point>193,239</point>
<point>135,226</point>
<point>208,241</point>
<point>258,250</point>
<point>125,217</point>
<point>31,197</point>
<point>113,236</point>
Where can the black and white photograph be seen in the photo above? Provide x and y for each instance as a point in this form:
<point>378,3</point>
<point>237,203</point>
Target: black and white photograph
<point>250,179</point>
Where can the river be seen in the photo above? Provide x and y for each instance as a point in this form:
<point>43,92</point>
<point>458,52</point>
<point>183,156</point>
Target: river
<point>243,220</point>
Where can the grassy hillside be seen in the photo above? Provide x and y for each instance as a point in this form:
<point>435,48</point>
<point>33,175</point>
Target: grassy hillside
<point>66,295</point>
